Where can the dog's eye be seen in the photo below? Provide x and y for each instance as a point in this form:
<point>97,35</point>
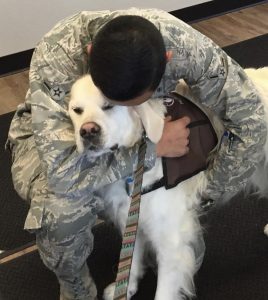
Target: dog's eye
<point>107,107</point>
<point>78,110</point>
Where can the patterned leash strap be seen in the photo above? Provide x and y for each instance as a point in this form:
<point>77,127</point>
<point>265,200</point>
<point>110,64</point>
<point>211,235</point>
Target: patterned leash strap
<point>129,236</point>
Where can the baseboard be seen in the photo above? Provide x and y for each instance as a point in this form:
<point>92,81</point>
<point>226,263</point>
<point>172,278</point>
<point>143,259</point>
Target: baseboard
<point>211,9</point>
<point>17,62</point>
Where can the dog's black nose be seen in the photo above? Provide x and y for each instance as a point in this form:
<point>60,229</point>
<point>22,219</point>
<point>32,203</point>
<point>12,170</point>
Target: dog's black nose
<point>89,130</point>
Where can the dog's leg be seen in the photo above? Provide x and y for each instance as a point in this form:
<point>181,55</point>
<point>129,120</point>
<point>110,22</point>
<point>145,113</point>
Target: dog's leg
<point>174,241</point>
<point>175,273</point>
<point>137,267</point>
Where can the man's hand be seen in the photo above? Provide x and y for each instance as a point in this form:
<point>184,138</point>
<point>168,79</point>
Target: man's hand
<point>175,138</point>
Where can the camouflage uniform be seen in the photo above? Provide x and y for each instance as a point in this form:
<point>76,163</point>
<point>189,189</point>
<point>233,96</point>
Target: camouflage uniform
<point>59,183</point>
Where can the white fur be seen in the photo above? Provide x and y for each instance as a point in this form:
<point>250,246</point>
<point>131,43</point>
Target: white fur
<point>168,220</point>
<point>260,79</point>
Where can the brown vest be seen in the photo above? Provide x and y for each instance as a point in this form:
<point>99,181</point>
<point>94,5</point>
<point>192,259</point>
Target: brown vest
<point>203,140</point>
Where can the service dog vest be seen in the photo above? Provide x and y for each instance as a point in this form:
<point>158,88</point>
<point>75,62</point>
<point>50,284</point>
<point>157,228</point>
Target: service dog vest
<point>204,139</point>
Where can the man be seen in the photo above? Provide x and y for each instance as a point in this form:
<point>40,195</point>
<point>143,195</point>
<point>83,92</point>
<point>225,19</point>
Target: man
<point>130,60</point>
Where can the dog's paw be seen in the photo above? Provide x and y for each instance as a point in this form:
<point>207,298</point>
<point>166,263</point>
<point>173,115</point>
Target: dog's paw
<point>132,289</point>
<point>108,293</point>
<point>266,229</point>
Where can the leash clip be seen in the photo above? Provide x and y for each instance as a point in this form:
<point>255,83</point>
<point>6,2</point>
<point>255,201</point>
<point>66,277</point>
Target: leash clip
<point>129,185</point>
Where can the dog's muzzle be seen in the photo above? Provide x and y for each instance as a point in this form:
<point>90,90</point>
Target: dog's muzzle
<point>90,133</point>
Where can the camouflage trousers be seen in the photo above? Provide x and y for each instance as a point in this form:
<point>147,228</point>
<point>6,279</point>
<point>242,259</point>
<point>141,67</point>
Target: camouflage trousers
<point>64,242</point>
<point>62,226</point>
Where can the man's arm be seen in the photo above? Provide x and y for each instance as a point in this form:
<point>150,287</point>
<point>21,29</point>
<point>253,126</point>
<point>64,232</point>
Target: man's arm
<point>222,85</point>
<point>59,59</point>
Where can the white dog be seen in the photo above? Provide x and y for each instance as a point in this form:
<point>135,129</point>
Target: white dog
<point>168,222</point>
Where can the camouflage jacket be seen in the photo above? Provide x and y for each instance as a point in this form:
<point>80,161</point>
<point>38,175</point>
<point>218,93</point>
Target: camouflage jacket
<point>42,122</point>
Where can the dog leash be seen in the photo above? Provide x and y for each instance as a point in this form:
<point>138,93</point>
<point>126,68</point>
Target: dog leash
<point>130,234</point>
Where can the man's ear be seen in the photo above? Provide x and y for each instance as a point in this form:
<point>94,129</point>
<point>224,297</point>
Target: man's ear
<point>152,122</point>
<point>89,48</point>
<point>169,55</point>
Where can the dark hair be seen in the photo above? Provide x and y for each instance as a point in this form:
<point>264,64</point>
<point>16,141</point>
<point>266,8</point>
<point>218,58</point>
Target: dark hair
<point>127,58</point>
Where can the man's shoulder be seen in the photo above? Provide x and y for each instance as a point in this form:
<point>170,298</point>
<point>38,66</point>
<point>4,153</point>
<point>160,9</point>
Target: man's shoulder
<point>77,24</point>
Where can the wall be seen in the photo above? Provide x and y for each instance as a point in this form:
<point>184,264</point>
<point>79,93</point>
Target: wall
<point>22,23</point>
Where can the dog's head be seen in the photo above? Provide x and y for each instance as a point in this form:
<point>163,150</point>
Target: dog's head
<point>100,127</point>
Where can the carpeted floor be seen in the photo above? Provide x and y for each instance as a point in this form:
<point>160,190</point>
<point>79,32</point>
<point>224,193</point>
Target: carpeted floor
<point>236,262</point>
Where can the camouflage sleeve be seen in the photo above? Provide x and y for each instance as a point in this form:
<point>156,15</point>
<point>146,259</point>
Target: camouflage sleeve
<point>242,144</point>
<point>54,68</point>
<point>221,84</point>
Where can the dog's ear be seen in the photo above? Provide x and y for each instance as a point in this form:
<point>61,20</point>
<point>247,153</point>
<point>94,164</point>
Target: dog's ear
<point>152,122</point>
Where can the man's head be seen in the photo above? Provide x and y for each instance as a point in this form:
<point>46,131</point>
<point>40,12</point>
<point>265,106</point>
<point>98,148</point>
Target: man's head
<point>127,59</point>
